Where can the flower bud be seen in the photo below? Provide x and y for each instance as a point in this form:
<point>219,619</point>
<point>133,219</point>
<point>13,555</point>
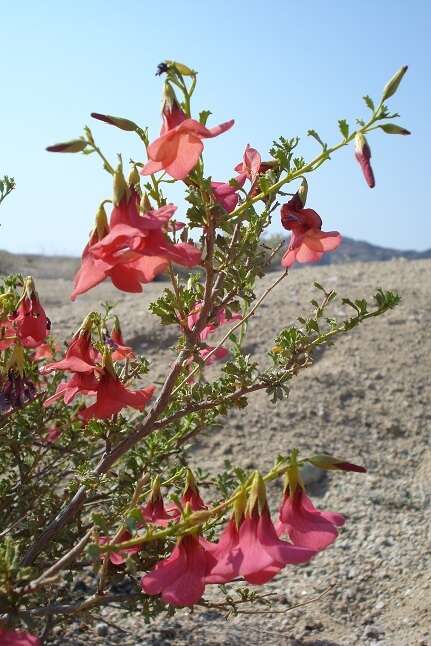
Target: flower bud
<point>182,69</point>
<point>134,178</point>
<point>363,155</point>
<point>119,122</point>
<point>72,146</point>
<point>392,86</point>
<point>329,463</point>
<point>101,223</point>
<point>303,191</point>
<point>145,204</point>
<point>392,129</point>
<point>121,190</point>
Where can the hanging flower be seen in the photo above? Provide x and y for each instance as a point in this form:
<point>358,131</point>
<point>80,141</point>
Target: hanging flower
<point>154,511</point>
<point>249,546</point>
<point>308,243</point>
<point>116,343</point>
<point>29,321</point>
<point>304,524</point>
<point>119,558</point>
<point>180,578</point>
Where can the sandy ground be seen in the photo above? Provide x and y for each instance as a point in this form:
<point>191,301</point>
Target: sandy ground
<point>367,398</point>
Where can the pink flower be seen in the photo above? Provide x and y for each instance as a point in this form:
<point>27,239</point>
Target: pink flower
<point>254,551</point>
<point>304,524</point>
<point>250,165</point>
<point>308,242</point>
<point>363,156</point>
<point>219,319</point>
<point>18,638</point>
<point>112,397</point>
<point>120,350</point>
<point>126,268</point>
<point>180,578</point>
<point>154,511</point>
<point>80,383</point>
<point>227,195</point>
<point>179,146</point>
<point>118,558</point>
<point>80,356</point>
<point>29,320</point>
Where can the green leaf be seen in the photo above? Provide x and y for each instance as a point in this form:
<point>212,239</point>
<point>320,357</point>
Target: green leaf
<point>369,102</point>
<point>313,133</point>
<point>344,128</point>
<point>203,116</point>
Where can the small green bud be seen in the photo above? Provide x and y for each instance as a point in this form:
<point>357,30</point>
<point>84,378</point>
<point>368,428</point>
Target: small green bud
<point>72,146</point>
<point>119,122</point>
<point>120,186</point>
<point>392,86</point>
<point>392,129</point>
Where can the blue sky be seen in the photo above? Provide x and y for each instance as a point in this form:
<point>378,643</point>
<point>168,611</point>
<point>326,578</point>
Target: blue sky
<point>277,67</point>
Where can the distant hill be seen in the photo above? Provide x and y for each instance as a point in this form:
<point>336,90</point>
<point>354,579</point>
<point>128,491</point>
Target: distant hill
<point>65,266</point>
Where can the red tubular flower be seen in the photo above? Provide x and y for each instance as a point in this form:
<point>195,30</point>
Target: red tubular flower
<point>154,511</point>
<point>18,638</point>
<point>80,383</point>
<point>80,356</point>
<point>127,269</point>
<point>29,320</point>
<point>252,549</point>
<point>180,578</point>
<point>112,396</point>
<point>226,195</point>
<point>116,342</point>
<point>15,391</point>
<point>363,156</point>
<point>304,524</point>
<point>179,146</point>
<point>308,242</point>
<point>220,318</point>
<point>118,558</point>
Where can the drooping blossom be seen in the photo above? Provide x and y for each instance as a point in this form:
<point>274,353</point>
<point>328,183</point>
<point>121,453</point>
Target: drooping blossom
<point>179,146</point>
<point>127,269</point>
<point>81,383</point>
<point>81,355</point>
<point>210,354</point>
<point>45,351</point>
<point>363,156</point>
<point>304,524</point>
<point>18,638</point>
<point>29,320</point>
<point>133,249</point>
<point>119,349</point>
<point>154,510</point>
<point>308,243</point>
<point>180,578</point>
<point>118,558</point>
<point>112,397</point>
<point>227,195</point>
<point>249,546</point>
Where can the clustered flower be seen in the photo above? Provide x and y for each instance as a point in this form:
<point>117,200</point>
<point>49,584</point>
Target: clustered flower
<point>250,547</point>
